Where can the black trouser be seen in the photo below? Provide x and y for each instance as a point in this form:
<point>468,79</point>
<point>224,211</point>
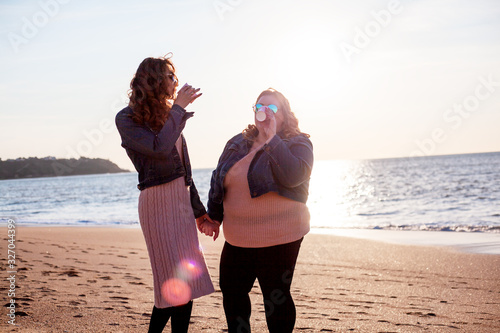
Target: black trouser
<point>273,266</point>
<point>180,318</point>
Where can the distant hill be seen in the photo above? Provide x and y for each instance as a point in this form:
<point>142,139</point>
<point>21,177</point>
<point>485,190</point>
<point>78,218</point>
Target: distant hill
<point>51,167</point>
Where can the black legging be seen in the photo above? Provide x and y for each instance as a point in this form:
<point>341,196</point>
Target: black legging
<point>273,266</point>
<point>180,318</point>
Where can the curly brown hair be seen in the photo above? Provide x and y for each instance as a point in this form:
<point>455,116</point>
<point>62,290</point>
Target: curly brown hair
<point>149,97</point>
<point>290,122</point>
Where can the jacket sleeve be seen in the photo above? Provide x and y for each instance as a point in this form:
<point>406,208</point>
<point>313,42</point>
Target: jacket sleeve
<point>291,161</point>
<point>215,209</point>
<point>142,140</point>
<point>198,208</point>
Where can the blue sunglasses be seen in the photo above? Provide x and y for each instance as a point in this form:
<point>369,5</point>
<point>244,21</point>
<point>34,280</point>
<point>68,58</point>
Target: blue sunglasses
<point>273,107</point>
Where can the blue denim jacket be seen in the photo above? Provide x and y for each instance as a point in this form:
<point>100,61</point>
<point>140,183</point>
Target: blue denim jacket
<point>154,154</point>
<point>282,166</point>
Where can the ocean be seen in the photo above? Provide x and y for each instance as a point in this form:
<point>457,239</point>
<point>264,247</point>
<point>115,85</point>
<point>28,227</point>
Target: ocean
<point>457,193</point>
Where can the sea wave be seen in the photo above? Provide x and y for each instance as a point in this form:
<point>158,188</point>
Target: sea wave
<point>452,228</point>
<point>486,228</point>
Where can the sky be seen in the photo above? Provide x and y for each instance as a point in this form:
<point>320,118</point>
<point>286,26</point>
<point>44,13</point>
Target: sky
<point>366,79</point>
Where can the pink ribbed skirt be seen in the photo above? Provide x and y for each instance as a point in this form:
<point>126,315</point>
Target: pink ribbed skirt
<point>180,273</point>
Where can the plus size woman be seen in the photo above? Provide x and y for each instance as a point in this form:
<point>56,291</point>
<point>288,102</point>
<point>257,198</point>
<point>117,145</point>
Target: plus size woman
<point>258,193</point>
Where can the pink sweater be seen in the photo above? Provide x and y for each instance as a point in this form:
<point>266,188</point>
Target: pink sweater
<point>264,221</point>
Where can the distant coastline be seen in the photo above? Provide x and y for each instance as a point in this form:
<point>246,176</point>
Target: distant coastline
<point>34,167</point>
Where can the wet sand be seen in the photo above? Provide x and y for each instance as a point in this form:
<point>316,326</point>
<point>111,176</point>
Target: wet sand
<point>95,279</point>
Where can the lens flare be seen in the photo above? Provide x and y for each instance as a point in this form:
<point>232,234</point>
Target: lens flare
<point>176,292</point>
<point>188,270</point>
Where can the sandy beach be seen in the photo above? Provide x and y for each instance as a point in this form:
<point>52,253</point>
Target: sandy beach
<point>96,279</point>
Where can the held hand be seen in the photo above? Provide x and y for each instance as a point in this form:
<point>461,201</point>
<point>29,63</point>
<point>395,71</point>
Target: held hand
<point>211,229</point>
<point>186,95</point>
<point>201,220</point>
<point>207,226</point>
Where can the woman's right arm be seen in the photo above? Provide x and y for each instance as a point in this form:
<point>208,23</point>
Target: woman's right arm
<point>143,140</point>
<point>215,210</point>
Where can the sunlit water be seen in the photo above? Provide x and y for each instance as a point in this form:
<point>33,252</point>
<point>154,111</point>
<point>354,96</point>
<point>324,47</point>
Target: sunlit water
<point>445,193</point>
<point>459,193</point>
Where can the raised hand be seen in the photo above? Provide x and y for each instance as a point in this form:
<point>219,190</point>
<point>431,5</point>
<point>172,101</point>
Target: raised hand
<point>270,124</point>
<point>186,95</point>
<point>268,127</point>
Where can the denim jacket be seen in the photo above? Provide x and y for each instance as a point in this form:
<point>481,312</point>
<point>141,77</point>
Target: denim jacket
<point>282,166</point>
<point>154,154</point>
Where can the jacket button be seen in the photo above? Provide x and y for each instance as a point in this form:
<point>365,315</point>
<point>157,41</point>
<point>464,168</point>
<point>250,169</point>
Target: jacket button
<point>254,194</point>
<point>267,148</point>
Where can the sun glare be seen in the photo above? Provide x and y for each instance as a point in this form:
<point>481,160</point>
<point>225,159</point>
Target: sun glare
<point>305,61</point>
<point>334,193</point>
<point>306,68</point>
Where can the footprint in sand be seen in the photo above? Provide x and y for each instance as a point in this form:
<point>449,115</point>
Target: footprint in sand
<point>46,290</point>
<point>137,283</point>
<point>25,299</point>
<point>70,273</point>
<point>420,314</point>
<point>363,313</point>
<point>130,276</point>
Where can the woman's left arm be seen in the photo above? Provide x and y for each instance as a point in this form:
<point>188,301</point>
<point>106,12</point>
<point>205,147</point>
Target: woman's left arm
<point>198,207</point>
<point>291,161</point>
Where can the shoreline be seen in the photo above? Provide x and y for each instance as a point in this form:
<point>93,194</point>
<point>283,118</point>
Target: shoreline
<point>468,242</point>
<point>84,279</point>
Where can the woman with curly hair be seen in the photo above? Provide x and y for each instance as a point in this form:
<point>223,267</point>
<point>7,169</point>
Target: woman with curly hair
<point>259,192</point>
<point>151,131</point>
